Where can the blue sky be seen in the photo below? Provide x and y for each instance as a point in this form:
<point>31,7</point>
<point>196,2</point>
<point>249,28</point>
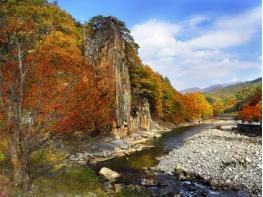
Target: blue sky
<point>195,43</point>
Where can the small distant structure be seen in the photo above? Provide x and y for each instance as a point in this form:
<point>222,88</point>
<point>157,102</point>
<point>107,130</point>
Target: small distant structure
<point>250,128</point>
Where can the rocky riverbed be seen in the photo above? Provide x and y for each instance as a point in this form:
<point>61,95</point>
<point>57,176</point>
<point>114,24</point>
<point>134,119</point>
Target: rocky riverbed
<point>224,159</point>
<point>97,149</point>
<point>108,147</point>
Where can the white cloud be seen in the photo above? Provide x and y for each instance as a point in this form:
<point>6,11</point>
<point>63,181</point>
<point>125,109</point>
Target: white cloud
<point>162,33</point>
<point>202,59</point>
<point>197,20</point>
<point>231,31</point>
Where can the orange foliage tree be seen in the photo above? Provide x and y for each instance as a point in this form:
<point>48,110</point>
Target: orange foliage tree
<point>198,107</point>
<point>36,81</point>
<point>253,110</point>
<point>45,86</point>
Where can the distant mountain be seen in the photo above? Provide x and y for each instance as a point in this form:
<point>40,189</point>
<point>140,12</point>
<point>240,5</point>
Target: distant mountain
<point>189,90</point>
<point>229,100</point>
<point>257,80</point>
<point>232,89</point>
<point>213,87</point>
<point>208,89</point>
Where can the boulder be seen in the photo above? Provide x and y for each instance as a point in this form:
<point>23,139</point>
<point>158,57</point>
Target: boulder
<point>136,136</point>
<point>120,144</point>
<point>103,150</point>
<point>109,174</point>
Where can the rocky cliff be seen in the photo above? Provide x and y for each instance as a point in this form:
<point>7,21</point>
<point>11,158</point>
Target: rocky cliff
<point>105,43</point>
<point>140,114</point>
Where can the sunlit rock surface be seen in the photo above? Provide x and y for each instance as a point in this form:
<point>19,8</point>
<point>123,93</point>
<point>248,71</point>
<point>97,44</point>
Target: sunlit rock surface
<point>105,50</point>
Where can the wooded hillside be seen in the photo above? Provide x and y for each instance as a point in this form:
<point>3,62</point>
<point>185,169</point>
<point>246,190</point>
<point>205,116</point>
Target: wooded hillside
<point>229,100</point>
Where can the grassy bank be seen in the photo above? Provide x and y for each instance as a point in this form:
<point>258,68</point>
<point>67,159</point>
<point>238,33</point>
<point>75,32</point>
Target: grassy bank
<point>58,180</point>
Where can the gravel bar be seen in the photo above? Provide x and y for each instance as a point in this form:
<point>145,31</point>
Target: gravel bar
<point>224,159</point>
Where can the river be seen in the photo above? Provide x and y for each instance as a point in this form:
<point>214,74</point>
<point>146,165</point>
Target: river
<point>132,167</point>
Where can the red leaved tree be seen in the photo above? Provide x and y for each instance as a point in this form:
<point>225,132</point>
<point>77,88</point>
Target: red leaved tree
<point>45,88</point>
<point>253,110</point>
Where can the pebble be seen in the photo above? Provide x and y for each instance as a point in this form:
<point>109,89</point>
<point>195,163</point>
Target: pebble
<point>224,156</point>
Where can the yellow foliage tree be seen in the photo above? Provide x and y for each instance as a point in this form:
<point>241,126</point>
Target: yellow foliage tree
<point>198,106</point>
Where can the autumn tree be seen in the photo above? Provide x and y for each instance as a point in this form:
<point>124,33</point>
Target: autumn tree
<point>231,99</point>
<point>252,111</point>
<point>45,85</point>
<point>166,103</point>
<point>198,106</point>
<point>224,106</point>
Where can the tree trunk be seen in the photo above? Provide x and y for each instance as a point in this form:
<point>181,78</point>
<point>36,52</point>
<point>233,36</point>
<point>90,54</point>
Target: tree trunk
<point>20,162</point>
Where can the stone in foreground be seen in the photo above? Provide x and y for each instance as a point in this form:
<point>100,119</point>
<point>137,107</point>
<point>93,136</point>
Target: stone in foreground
<point>109,174</point>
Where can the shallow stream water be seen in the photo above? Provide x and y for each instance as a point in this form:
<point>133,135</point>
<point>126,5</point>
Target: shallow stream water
<point>132,167</point>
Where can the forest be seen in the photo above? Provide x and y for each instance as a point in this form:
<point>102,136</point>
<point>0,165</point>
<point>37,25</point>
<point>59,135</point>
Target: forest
<point>49,85</point>
<point>242,100</point>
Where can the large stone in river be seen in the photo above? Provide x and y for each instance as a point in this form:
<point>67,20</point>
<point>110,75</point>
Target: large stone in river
<point>109,174</point>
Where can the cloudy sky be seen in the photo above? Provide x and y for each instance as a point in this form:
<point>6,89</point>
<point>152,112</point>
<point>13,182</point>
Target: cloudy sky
<point>193,43</point>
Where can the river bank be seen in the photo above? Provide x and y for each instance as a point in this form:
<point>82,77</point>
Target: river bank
<point>224,159</point>
<point>96,149</point>
<point>136,170</point>
<point>134,173</point>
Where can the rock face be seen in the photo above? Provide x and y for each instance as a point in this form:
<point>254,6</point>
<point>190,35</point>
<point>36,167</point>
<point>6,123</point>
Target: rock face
<point>105,50</point>
<point>141,115</point>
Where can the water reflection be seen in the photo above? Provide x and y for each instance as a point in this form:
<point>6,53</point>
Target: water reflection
<point>147,157</point>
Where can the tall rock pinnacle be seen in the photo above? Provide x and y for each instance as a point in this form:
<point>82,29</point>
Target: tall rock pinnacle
<point>105,39</point>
